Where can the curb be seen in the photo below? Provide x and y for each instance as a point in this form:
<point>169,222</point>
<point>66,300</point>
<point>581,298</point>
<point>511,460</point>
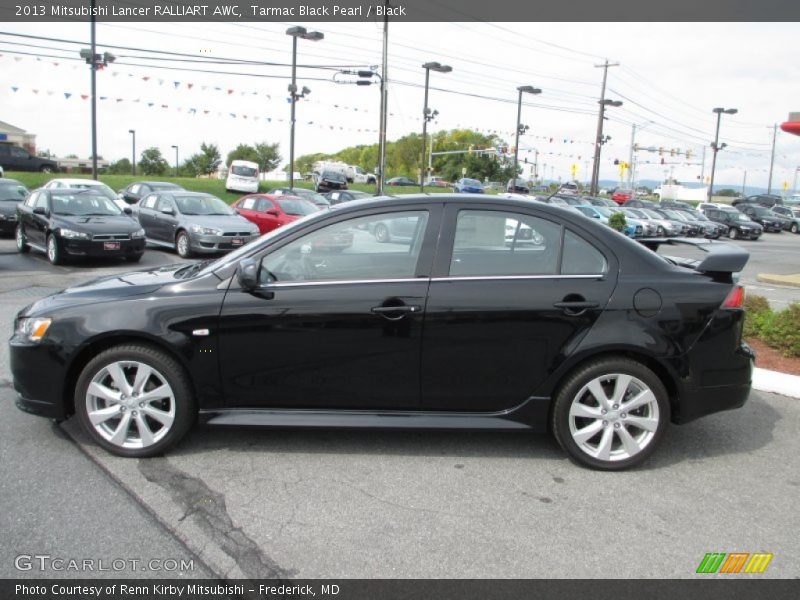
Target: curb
<point>790,280</point>
<point>765,380</point>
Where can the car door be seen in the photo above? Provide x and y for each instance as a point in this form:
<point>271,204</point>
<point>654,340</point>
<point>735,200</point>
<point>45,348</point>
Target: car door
<point>20,160</point>
<point>503,311</point>
<point>144,211</point>
<point>332,327</point>
<point>165,223</point>
<point>37,224</point>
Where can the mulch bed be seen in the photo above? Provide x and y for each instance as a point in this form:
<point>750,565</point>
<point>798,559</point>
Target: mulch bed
<point>769,358</point>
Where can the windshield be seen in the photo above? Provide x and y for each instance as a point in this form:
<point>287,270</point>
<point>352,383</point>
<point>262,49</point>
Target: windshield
<point>760,211</point>
<point>243,171</point>
<point>316,198</point>
<point>695,215</point>
<point>202,205</point>
<point>651,214</point>
<point>13,191</point>
<point>332,175</point>
<point>83,205</point>
<point>740,217</point>
<point>636,213</point>
<point>472,182</point>
<point>604,210</point>
<point>297,206</point>
<point>100,188</point>
<point>165,186</point>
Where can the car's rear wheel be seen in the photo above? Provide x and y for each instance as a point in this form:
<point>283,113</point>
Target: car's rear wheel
<point>182,246</point>
<point>610,414</point>
<point>53,251</point>
<point>22,242</point>
<point>134,400</point>
<point>733,233</point>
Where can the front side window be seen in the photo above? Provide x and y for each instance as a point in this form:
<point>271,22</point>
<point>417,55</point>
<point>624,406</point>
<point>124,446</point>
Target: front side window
<point>149,201</point>
<point>384,246</point>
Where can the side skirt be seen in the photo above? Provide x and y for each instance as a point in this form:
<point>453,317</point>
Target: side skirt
<point>531,414</point>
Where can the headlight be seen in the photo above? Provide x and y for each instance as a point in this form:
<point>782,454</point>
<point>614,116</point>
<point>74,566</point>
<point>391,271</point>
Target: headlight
<point>73,235</point>
<point>137,234</point>
<point>32,329</point>
<point>205,230</point>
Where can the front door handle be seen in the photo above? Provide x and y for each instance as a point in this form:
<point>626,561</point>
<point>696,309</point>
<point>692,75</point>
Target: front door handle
<point>577,304</point>
<point>395,313</point>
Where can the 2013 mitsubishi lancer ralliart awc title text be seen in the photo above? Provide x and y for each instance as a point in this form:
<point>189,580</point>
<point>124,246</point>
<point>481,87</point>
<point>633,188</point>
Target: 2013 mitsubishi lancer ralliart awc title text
<point>456,316</point>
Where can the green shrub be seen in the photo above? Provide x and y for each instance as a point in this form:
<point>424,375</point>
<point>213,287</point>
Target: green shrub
<point>757,316</point>
<point>617,221</point>
<point>783,331</point>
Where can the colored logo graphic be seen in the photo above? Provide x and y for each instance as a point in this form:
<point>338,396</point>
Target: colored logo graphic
<point>734,562</point>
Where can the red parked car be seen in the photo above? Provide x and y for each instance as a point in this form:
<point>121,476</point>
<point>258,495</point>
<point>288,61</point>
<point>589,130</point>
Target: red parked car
<point>621,196</point>
<point>270,212</point>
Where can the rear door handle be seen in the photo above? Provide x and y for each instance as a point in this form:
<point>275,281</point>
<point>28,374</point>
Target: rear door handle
<point>395,313</point>
<point>576,305</point>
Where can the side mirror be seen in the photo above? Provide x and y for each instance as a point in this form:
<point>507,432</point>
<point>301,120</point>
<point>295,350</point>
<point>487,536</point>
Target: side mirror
<point>127,210</point>
<point>247,274</point>
<point>39,210</point>
<point>168,210</point>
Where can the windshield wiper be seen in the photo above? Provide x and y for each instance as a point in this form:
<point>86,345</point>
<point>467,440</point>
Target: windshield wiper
<point>189,270</point>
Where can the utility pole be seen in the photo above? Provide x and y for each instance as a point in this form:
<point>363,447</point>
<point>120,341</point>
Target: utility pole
<point>94,93</point>
<point>703,167</point>
<point>384,100</point>
<point>744,183</point>
<point>772,158</point>
<point>599,140</point>
<point>630,157</point>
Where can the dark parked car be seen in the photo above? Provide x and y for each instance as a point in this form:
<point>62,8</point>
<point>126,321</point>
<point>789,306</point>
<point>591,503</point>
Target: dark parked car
<point>675,204</point>
<point>12,192</point>
<point>637,203</point>
<point>595,201</point>
<point>270,212</point>
<point>310,195</point>
<point>585,333</point>
<point>739,225</point>
<point>767,200</point>
<point>139,189</point>
<point>468,186</point>
<point>401,181</point>
<point>346,196</point>
<point>193,223</point>
<point>14,158</point>
<point>762,215</point>
<point>329,180</point>
<point>77,223</point>
<point>518,186</point>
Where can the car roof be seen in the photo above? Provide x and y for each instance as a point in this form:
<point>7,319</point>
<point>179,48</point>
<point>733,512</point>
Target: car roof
<point>78,181</point>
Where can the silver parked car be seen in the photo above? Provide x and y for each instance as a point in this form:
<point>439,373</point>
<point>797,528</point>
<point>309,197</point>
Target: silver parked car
<point>193,223</point>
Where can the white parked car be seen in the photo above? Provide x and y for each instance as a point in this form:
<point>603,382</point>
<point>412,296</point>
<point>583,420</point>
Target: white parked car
<point>85,184</point>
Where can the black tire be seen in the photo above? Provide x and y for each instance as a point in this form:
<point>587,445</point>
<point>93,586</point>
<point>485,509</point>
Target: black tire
<point>134,258</point>
<point>165,367</point>
<point>381,233</point>
<point>573,391</point>
<point>46,169</point>
<point>21,240</point>
<point>793,228</point>
<point>53,251</point>
<point>182,245</point>
<point>733,233</point>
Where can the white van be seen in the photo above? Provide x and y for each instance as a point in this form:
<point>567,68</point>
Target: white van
<point>242,177</point>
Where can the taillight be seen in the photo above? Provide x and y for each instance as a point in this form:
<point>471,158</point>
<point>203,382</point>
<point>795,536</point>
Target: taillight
<point>735,298</point>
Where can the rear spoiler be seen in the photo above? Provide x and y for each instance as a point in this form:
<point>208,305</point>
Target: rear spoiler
<point>721,256</point>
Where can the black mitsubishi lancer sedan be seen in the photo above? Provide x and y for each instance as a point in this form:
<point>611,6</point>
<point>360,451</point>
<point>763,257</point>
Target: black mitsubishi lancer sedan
<point>67,223</point>
<point>462,323</point>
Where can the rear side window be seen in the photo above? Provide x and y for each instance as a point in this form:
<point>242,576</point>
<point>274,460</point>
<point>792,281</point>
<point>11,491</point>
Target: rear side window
<point>496,243</point>
<point>248,203</point>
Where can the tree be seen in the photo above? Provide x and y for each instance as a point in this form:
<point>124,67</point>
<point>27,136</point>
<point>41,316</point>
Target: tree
<point>726,192</point>
<point>205,162</point>
<point>152,162</point>
<point>243,152</point>
<point>617,221</point>
<point>120,167</point>
<point>268,157</point>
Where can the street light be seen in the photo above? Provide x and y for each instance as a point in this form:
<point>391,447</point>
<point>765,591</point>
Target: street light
<point>176,160</point>
<point>314,36</point>
<point>524,89</point>
<point>427,115</point>
<point>133,151</point>
<point>716,146</point>
<point>600,141</point>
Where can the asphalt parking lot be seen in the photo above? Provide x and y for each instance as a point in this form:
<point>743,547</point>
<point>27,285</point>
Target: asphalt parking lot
<point>258,504</point>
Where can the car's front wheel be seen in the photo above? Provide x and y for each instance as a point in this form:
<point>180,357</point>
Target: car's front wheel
<point>182,246</point>
<point>53,251</point>
<point>733,233</point>
<point>134,400</point>
<point>610,413</point>
<point>22,242</point>
<point>793,228</point>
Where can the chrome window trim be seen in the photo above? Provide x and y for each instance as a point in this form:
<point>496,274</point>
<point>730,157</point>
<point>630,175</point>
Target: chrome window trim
<point>278,284</point>
<point>516,277</point>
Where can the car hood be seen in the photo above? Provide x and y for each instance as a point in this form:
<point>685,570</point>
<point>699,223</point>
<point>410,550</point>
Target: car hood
<point>100,224</point>
<point>8,207</point>
<point>108,288</point>
<point>226,222</point>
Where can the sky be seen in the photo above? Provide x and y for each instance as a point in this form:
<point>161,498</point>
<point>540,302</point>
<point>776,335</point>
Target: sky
<point>670,76</point>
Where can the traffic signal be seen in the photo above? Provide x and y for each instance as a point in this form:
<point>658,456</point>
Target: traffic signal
<point>688,154</point>
<point>661,152</point>
<point>616,161</point>
<point>662,161</point>
<point>636,147</point>
<point>672,151</point>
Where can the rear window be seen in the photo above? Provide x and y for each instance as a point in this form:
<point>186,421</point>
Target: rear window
<point>243,171</point>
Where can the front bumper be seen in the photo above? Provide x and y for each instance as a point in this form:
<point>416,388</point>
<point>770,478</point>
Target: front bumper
<point>38,372</point>
<point>8,223</point>
<point>100,248</point>
<point>212,244</point>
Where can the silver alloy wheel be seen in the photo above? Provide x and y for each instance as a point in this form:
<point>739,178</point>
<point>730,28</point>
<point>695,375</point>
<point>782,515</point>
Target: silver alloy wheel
<point>130,404</point>
<point>183,245</point>
<point>614,417</point>
<point>20,237</point>
<point>52,249</point>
